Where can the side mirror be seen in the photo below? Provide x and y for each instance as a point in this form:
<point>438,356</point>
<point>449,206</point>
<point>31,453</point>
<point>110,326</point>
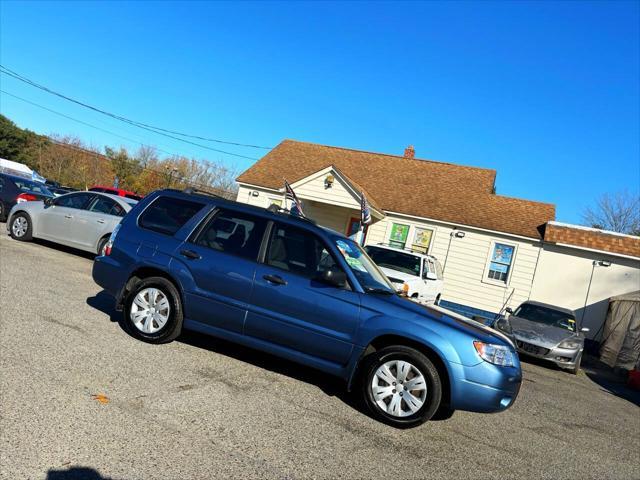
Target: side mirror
<point>509,310</point>
<point>334,276</point>
<point>585,329</point>
<point>431,276</point>
<point>48,202</point>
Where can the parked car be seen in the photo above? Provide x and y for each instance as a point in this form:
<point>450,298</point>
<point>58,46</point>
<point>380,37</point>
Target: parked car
<point>116,191</point>
<point>82,220</point>
<point>15,189</point>
<point>547,332</point>
<point>57,189</point>
<point>287,286</point>
<point>415,274</point>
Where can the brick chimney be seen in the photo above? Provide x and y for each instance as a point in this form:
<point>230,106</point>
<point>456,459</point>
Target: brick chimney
<point>409,152</point>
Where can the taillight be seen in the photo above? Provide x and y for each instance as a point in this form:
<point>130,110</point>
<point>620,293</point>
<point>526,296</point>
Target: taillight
<point>25,197</point>
<point>107,248</point>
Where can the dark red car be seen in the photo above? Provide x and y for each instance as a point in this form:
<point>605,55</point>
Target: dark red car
<point>116,191</point>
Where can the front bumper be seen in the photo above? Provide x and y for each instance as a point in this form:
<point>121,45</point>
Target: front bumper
<point>484,387</point>
<point>562,357</point>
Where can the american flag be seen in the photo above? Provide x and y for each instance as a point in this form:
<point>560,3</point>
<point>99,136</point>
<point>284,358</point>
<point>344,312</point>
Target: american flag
<point>365,211</point>
<point>296,208</point>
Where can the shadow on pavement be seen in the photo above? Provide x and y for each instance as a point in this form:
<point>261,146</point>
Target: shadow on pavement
<point>64,248</point>
<point>106,304</point>
<point>76,473</point>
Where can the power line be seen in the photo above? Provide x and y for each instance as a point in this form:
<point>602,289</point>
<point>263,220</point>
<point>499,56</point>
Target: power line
<point>144,126</point>
<point>87,124</point>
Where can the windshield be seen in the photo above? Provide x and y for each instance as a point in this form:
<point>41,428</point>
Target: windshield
<point>402,262</point>
<point>368,274</point>
<point>547,316</point>
<point>28,186</point>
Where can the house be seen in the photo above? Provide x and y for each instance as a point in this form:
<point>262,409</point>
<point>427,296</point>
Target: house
<point>496,251</point>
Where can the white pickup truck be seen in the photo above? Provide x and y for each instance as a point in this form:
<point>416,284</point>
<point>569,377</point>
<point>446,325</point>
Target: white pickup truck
<point>415,274</point>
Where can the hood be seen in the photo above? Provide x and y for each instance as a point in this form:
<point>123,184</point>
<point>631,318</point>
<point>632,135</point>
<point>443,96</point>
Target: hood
<point>396,275</point>
<point>540,334</point>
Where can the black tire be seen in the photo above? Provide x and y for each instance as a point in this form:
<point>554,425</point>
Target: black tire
<point>103,241</point>
<point>430,373</point>
<point>27,235</point>
<point>173,326</point>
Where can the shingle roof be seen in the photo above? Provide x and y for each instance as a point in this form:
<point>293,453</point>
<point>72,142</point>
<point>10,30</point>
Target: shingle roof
<point>592,238</point>
<point>423,188</point>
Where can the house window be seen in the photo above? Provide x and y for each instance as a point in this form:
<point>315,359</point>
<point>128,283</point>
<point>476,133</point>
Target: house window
<point>275,201</point>
<point>500,262</point>
<point>422,239</point>
<point>399,233</point>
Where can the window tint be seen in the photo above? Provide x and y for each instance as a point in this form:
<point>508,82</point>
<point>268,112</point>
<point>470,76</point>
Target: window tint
<point>74,200</point>
<point>167,215</point>
<point>233,232</point>
<point>399,261</point>
<point>500,264</point>
<point>298,251</point>
<point>29,186</point>
<point>107,206</point>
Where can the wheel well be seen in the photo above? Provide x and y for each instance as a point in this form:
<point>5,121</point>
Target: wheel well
<point>145,272</point>
<point>389,340</point>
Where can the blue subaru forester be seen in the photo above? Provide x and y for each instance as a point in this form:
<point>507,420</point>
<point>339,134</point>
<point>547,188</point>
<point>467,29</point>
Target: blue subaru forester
<point>283,284</point>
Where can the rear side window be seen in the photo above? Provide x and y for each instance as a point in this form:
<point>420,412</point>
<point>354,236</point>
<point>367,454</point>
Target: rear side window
<point>233,232</point>
<point>167,215</point>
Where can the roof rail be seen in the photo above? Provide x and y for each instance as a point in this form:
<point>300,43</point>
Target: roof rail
<point>273,208</point>
<point>192,190</point>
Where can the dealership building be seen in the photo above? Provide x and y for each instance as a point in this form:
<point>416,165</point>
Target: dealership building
<point>496,251</point>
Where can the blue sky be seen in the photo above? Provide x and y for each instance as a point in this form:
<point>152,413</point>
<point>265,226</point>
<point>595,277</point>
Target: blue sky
<point>548,94</point>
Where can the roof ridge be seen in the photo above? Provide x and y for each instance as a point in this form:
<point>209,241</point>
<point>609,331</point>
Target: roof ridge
<point>402,157</point>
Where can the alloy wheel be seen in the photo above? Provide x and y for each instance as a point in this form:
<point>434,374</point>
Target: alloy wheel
<point>150,310</point>
<point>19,227</point>
<point>399,388</point>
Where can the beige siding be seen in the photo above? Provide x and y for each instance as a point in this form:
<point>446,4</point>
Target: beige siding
<point>313,188</point>
<point>465,271</point>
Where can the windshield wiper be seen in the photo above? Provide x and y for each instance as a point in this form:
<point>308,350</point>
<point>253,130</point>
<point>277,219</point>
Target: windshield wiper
<point>384,291</point>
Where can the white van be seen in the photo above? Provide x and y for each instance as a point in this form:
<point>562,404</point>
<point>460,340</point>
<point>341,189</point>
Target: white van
<point>415,274</point>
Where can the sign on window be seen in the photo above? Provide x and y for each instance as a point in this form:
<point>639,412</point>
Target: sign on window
<point>422,239</point>
<point>399,233</point>
<point>501,260</point>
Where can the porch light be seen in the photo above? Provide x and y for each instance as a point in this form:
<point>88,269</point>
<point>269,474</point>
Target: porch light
<point>601,263</point>
<point>328,181</point>
<point>458,234</point>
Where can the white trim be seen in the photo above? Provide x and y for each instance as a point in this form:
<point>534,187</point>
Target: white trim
<point>601,252</point>
<point>466,227</point>
<point>485,273</point>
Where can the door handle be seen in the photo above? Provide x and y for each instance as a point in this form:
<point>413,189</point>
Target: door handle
<point>190,254</point>
<point>100,221</point>
<point>68,216</point>
<point>275,279</point>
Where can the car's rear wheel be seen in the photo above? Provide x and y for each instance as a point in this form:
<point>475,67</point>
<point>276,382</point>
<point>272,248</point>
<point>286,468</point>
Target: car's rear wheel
<point>401,386</point>
<point>153,311</point>
<point>20,227</point>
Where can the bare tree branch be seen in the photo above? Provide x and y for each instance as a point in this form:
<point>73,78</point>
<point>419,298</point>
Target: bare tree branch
<point>618,212</point>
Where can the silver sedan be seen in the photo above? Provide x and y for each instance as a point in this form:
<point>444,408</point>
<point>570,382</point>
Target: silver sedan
<point>547,332</point>
<point>82,220</point>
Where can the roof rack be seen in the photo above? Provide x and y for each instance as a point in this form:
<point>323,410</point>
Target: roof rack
<point>192,190</point>
<point>273,208</point>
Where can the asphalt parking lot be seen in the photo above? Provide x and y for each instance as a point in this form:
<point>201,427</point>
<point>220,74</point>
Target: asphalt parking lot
<point>79,398</point>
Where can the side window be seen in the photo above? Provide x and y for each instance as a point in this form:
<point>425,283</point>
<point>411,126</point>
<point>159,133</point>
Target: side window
<point>500,262</point>
<point>102,205</point>
<point>167,215</point>
<point>74,200</point>
<point>232,232</point>
<point>117,210</point>
<point>298,251</point>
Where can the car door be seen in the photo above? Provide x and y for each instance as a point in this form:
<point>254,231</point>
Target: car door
<point>57,222</point>
<point>289,307</point>
<point>99,218</point>
<point>222,266</point>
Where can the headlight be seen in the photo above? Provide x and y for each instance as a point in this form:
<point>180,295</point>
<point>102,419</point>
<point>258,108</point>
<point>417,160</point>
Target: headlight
<point>496,354</point>
<point>570,344</point>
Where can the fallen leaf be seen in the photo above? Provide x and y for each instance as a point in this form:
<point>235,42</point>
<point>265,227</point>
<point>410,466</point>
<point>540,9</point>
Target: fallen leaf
<point>101,398</point>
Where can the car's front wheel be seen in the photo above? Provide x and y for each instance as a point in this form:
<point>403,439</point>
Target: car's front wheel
<point>20,227</point>
<point>576,367</point>
<point>401,386</point>
<point>153,311</point>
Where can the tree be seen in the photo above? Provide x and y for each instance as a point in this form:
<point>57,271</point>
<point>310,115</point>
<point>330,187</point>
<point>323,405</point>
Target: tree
<point>18,144</point>
<point>618,212</point>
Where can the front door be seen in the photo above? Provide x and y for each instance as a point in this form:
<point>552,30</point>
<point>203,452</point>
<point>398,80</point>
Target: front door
<point>222,261</point>
<point>291,308</point>
<point>60,221</point>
